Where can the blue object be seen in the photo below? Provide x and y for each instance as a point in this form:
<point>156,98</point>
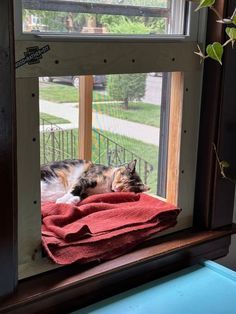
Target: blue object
<point>208,288</point>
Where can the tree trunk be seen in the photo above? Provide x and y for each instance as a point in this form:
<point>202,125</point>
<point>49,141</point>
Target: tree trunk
<point>126,103</point>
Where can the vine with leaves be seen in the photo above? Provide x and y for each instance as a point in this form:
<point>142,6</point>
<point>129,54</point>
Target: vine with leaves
<point>215,52</point>
<point>216,49</point>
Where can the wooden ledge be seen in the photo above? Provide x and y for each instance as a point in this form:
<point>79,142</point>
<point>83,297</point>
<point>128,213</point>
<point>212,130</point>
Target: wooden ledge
<point>75,285</point>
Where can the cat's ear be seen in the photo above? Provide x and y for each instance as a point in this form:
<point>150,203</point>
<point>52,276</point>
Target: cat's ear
<point>131,166</point>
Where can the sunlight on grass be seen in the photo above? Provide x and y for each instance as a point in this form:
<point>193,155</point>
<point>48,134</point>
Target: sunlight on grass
<point>138,112</point>
<point>52,119</point>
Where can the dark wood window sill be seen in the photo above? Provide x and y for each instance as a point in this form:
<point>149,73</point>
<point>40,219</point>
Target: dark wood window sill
<point>75,286</point>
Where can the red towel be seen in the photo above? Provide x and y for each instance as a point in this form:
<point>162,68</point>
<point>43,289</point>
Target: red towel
<point>102,226</point>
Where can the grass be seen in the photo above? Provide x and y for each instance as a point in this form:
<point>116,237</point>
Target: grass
<point>140,112</point>
<point>61,93</point>
<point>52,119</point>
<point>147,152</point>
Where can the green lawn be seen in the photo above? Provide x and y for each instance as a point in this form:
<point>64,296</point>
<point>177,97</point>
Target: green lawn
<point>52,119</point>
<point>60,93</point>
<point>138,111</point>
<point>147,152</point>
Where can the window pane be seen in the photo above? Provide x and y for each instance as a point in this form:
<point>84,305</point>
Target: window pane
<point>126,123</point>
<point>126,120</point>
<point>114,17</point>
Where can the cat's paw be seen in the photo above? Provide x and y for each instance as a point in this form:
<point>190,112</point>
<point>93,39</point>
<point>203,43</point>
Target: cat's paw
<point>64,198</point>
<point>73,200</point>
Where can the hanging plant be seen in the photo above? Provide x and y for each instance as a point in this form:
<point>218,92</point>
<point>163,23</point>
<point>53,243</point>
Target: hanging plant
<point>215,50</point>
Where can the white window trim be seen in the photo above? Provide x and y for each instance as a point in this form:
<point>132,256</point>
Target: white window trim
<point>192,28</point>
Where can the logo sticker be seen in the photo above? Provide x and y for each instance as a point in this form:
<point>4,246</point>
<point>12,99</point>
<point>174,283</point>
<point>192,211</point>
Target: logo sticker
<point>32,55</point>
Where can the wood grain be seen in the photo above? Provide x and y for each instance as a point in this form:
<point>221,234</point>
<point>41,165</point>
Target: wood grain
<point>28,162</point>
<point>85,117</point>
<point>76,57</point>
<point>175,122</point>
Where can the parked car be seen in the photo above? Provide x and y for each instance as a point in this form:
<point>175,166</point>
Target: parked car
<point>98,80</point>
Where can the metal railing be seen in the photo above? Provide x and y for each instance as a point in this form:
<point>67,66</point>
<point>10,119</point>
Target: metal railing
<point>114,154</point>
<point>57,144</point>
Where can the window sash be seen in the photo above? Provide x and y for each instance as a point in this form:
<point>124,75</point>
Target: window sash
<point>190,27</point>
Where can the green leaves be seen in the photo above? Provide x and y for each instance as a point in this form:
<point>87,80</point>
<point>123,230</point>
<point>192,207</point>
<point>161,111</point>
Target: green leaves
<point>205,4</point>
<point>234,20</point>
<point>231,32</point>
<point>215,51</point>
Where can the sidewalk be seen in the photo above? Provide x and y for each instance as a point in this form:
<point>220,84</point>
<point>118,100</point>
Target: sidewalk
<point>141,132</point>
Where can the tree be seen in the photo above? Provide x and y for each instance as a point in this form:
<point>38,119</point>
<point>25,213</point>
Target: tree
<point>133,24</point>
<point>126,87</point>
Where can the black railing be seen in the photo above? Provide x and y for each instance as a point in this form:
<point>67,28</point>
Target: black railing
<point>57,144</point>
<point>115,154</point>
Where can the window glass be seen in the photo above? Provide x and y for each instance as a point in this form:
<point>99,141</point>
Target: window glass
<point>126,120</point>
<point>107,17</point>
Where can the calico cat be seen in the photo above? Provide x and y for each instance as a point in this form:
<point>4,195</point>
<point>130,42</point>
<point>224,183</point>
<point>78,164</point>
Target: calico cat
<point>70,181</point>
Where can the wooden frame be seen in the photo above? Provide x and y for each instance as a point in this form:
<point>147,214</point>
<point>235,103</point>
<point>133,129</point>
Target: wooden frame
<point>70,288</point>
<point>186,140</point>
<point>72,56</point>
<point>175,122</point>
<point>214,194</point>
<point>76,57</point>
<point>99,8</point>
<point>66,286</point>
<point>8,175</point>
<point>85,117</point>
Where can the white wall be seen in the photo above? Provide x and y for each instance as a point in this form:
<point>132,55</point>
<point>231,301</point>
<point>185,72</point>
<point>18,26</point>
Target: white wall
<point>230,260</point>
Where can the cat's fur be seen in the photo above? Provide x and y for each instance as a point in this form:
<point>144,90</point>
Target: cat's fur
<point>70,181</point>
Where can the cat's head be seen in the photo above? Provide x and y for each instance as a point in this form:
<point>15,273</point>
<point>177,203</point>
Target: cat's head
<point>126,179</point>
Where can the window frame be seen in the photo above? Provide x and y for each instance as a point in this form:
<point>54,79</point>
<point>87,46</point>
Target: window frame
<point>72,55</point>
<point>191,32</point>
<point>216,242</point>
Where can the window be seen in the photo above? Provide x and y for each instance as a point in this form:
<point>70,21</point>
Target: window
<point>167,61</point>
<point>104,17</point>
<point>125,120</point>
<point>73,284</point>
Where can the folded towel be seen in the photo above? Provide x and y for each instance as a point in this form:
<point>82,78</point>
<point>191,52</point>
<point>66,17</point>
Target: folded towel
<point>103,226</point>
